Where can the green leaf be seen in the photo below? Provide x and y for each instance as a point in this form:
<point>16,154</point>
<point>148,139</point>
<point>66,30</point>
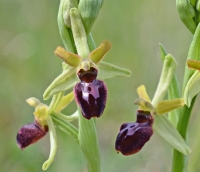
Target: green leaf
<point>186,13</point>
<point>107,70</point>
<point>192,88</point>
<point>98,54</point>
<point>169,105</point>
<point>168,132</point>
<point>70,58</point>
<point>65,81</point>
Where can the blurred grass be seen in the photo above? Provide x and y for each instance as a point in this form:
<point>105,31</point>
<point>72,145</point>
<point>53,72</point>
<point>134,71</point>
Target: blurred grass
<point>28,38</point>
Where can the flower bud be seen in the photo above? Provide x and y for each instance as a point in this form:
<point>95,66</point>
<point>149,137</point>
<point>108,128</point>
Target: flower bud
<point>133,136</point>
<point>30,134</point>
<point>90,93</point>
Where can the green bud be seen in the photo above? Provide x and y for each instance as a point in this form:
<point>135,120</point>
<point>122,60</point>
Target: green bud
<point>67,5</point>
<point>187,14</point>
<point>89,10</point>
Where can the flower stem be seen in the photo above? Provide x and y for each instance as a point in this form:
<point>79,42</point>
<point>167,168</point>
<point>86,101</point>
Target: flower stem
<point>179,160</point>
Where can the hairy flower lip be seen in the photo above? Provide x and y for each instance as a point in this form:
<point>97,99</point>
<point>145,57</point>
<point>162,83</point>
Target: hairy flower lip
<point>30,133</point>
<point>91,97</point>
<point>133,136</point>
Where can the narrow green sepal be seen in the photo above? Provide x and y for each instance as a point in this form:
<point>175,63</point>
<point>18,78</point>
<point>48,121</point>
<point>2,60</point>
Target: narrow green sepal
<point>98,54</point>
<point>193,2</point>
<point>198,5</point>
<point>65,101</point>
<point>169,105</point>
<point>193,64</point>
<point>168,132</point>
<point>89,10</point>
<point>107,70</point>
<point>192,88</point>
<point>65,81</point>
<point>167,74</point>
<point>186,13</point>
<point>53,142</point>
<point>79,34</point>
<point>70,58</point>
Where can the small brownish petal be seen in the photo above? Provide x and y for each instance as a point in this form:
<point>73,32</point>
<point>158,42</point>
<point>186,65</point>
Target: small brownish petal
<point>30,134</point>
<point>91,98</point>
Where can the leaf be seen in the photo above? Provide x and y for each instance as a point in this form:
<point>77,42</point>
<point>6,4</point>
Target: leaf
<point>168,132</point>
<point>107,70</point>
<point>70,58</point>
<point>169,105</point>
<point>98,54</point>
<point>192,88</point>
<point>65,81</point>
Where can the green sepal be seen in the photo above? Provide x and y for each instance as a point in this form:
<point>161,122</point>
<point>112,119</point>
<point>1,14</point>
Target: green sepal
<point>187,14</point>
<point>70,58</point>
<point>166,106</point>
<point>98,54</point>
<point>53,143</point>
<point>193,64</point>
<point>68,4</point>
<point>192,88</point>
<point>65,81</point>
<point>89,10</point>
<point>107,70</point>
<point>173,91</point>
<point>79,34</point>
<point>65,101</point>
<point>167,74</point>
<point>198,5</point>
<point>65,126</point>
<point>168,132</point>
<point>193,54</point>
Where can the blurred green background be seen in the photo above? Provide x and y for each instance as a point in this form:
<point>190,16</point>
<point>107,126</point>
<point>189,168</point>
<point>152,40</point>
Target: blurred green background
<point>28,37</point>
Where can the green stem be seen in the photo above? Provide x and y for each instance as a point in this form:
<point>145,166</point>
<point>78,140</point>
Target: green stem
<point>89,143</point>
<point>179,160</point>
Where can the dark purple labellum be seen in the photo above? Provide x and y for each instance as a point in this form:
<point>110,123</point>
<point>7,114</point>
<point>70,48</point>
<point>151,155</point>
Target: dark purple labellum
<point>30,134</point>
<point>133,136</point>
<point>91,97</point>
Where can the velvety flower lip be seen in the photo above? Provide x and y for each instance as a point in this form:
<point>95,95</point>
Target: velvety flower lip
<point>133,136</point>
<point>30,133</point>
<point>91,97</point>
